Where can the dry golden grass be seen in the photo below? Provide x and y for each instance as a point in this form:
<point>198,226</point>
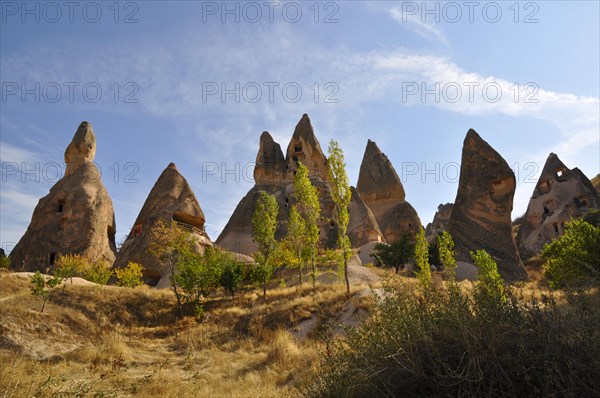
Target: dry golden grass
<point>123,342</point>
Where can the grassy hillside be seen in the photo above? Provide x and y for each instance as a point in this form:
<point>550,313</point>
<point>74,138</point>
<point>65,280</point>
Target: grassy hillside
<point>109,341</point>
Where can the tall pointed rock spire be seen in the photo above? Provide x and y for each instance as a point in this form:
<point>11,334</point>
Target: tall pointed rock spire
<point>481,215</point>
<point>76,217</point>
<point>380,187</point>
<point>170,200</point>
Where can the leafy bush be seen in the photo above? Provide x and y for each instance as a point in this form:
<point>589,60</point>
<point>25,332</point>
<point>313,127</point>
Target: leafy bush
<point>232,276</point>
<point>448,343</point>
<point>4,262</point>
<point>69,266</point>
<point>98,272</point>
<point>574,256</point>
<point>130,276</point>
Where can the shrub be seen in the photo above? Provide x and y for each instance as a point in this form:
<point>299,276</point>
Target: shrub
<point>446,343</point>
<point>41,286</point>
<point>130,276</point>
<point>4,262</point>
<point>69,266</point>
<point>574,256</point>
<point>98,272</point>
<point>232,276</point>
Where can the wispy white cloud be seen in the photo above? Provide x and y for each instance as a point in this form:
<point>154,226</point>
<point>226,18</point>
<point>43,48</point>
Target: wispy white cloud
<point>414,23</point>
<point>171,78</point>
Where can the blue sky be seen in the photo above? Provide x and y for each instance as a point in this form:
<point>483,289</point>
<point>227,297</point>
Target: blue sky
<point>412,76</point>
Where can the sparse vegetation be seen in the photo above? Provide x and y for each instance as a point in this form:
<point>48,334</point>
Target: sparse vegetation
<point>466,342</point>
<point>130,276</point>
<point>130,342</point>
<point>41,287</point>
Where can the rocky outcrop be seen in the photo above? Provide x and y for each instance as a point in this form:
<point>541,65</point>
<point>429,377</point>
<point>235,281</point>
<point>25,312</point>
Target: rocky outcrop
<point>440,221</point>
<point>276,177</point>
<point>75,217</point>
<point>363,227</point>
<point>560,193</point>
<point>270,167</point>
<point>596,183</point>
<point>381,189</point>
<point>304,147</point>
<point>481,216</point>
<point>171,200</point>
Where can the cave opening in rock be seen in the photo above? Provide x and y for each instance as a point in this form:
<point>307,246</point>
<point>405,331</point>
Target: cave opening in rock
<point>60,206</point>
<point>188,221</point>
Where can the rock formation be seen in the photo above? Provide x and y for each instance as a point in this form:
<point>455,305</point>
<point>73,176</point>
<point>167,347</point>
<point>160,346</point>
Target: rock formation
<point>480,217</point>
<point>170,200</point>
<point>381,189</point>
<point>596,183</point>
<point>440,221</point>
<point>75,217</point>
<point>274,174</point>
<point>363,227</point>
<point>560,193</point>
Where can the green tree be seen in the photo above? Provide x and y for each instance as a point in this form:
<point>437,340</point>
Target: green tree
<point>130,276</point>
<point>490,285</point>
<point>197,274</point>
<point>42,285</point>
<point>295,240</point>
<point>446,253</point>
<point>422,259</point>
<point>307,197</point>
<point>168,244</point>
<point>394,255</point>
<point>264,223</point>
<point>575,255</point>
<point>341,195</point>
<point>232,276</point>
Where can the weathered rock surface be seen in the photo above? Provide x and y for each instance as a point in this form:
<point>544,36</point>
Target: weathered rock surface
<point>481,216</point>
<point>596,183</point>
<point>440,221</point>
<point>363,227</point>
<point>270,165</point>
<point>304,147</point>
<point>75,217</point>
<point>560,193</point>
<point>381,189</point>
<point>276,177</point>
<point>170,200</point>
<point>82,149</point>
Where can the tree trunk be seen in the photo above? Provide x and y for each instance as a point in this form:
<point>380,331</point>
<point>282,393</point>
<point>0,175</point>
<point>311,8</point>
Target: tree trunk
<point>346,274</point>
<point>314,271</point>
<point>178,300</point>
<point>300,267</point>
